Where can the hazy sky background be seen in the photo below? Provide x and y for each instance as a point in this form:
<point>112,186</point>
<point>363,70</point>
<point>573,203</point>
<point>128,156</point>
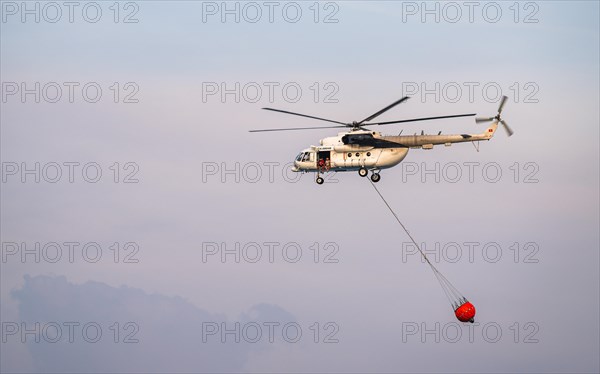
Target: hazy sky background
<point>545,303</point>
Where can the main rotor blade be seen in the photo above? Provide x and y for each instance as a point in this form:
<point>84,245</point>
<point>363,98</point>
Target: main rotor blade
<point>482,119</point>
<point>419,119</point>
<point>384,110</point>
<point>299,128</point>
<point>304,115</point>
<point>502,102</point>
<point>508,129</point>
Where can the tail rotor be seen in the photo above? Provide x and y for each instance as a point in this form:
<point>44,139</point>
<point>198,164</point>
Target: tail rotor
<point>497,117</point>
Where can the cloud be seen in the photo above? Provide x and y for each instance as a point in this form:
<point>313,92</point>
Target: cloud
<point>140,332</point>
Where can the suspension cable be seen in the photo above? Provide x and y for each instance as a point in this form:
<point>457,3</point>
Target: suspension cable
<point>454,296</point>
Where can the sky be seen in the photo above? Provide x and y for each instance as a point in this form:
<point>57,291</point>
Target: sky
<point>144,229</point>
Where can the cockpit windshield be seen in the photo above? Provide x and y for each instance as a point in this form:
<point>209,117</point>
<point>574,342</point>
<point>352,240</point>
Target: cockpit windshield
<point>304,157</point>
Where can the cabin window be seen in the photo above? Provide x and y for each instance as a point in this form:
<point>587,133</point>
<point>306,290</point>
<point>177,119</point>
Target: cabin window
<point>368,154</point>
<point>306,156</point>
<point>299,157</point>
<point>357,154</point>
<point>349,154</point>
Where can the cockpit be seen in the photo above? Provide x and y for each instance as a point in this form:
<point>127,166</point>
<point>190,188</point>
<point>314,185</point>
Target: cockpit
<point>303,159</point>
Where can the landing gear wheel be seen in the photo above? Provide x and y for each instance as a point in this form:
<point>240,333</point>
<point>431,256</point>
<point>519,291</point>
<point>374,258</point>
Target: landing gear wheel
<point>375,177</point>
<point>320,180</point>
<point>363,172</point>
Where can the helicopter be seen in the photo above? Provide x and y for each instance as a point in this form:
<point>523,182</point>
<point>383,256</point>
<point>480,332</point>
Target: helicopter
<point>363,150</point>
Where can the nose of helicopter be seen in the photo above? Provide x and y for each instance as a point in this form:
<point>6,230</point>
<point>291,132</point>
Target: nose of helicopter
<point>296,167</point>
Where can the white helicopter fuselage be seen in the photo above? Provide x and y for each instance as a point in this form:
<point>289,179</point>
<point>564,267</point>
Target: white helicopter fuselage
<point>355,150</point>
<point>349,158</point>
